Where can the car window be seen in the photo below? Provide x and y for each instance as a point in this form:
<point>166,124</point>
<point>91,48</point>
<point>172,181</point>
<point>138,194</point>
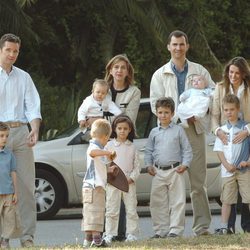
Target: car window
<point>146,120</point>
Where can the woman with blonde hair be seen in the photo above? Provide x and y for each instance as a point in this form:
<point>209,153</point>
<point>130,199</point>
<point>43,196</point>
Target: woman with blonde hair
<point>120,76</point>
<point>236,80</point>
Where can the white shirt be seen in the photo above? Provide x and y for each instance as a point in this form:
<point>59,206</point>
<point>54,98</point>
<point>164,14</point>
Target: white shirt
<point>19,98</point>
<point>127,157</point>
<point>96,174</point>
<point>92,108</point>
<point>232,152</point>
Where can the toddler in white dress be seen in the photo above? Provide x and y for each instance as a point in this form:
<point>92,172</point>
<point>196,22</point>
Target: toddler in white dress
<point>194,102</point>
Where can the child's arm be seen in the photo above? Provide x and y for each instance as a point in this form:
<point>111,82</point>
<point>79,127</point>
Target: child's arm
<point>184,96</point>
<point>82,113</point>
<point>136,170</point>
<point>186,152</point>
<point>101,152</point>
<point>148,155</point>
<point>13,176</point>
<point>230,167</point>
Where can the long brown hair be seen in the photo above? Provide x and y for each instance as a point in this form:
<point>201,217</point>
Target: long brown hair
<point>242,65</point>
<point>129,80</point>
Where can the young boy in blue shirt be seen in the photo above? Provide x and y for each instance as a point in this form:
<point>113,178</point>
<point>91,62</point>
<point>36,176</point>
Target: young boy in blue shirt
<point>8,189</point>
<point>167,156</point>
<point>235,163</point>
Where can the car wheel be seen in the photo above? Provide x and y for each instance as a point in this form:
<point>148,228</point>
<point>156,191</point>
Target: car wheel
<point>48,193</point>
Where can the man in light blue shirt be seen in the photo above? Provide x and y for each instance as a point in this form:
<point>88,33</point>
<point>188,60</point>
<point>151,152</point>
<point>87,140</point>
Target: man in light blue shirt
<point>20,104</point>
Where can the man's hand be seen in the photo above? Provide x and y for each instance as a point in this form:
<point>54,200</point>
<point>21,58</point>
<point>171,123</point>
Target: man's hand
<point>34,133</point>
<point>240,136</point>
<point>181,169</point>
<point>32,138</point>
<point>151,170</point>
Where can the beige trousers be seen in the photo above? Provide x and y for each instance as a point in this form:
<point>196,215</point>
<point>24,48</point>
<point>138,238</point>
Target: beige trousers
<point>113,202</point>
<point>197,177</point>
<point>9,219</point>
<point>167,202</point>
<point>25,180</point>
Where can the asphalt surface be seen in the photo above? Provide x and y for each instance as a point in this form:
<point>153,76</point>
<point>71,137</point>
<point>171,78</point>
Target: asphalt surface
<point>64,229</point>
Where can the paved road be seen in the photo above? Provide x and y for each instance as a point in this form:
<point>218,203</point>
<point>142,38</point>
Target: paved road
<point>65,228</point>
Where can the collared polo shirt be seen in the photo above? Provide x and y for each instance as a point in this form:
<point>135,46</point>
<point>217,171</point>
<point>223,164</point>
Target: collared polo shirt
<point>166,146</point>
<point>7,165</point>
<point>234,153</point>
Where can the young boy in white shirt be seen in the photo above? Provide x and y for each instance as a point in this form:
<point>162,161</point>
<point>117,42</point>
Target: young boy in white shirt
<point>94,183</point>
<point>235,163</point>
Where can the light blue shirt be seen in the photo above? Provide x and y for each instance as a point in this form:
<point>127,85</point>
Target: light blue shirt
<point>181,77</point>
<point>7,165</point>
<point>20,101</point>
<point>166,146</point>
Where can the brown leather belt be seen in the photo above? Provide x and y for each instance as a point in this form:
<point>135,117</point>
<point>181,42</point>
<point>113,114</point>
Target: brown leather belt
<point>15,124</point>
<point>164,167</point>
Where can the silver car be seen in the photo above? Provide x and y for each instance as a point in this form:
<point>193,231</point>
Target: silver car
<point>61,162</point>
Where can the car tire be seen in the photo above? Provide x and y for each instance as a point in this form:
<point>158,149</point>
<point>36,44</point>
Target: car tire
<point>48,193</point>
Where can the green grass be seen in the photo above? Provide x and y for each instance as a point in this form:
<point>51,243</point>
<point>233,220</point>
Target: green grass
<point>237,241</point>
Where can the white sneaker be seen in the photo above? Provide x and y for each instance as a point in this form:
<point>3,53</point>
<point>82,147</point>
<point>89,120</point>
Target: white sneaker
<point>108,239</point>
<point>131,238</point>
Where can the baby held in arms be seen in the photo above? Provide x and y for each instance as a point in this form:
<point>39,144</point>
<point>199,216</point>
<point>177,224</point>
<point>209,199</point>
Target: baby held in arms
<point>194,102</point>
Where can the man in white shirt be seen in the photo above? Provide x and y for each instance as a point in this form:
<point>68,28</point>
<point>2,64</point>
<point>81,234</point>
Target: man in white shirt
<point>20,105</point>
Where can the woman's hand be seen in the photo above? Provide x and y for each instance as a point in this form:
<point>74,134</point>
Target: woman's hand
<point>244,164</point>
<point>240,136</point>
<point>223,136</point>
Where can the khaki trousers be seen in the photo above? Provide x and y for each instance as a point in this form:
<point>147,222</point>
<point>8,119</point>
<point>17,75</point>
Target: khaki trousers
<point>113,202</point>
<point>197,177</point>
<point>25,180</point>
<point>9,219</point>
<point>167,202</point>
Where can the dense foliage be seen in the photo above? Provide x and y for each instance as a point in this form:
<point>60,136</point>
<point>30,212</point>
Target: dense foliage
<point>66,43</point>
